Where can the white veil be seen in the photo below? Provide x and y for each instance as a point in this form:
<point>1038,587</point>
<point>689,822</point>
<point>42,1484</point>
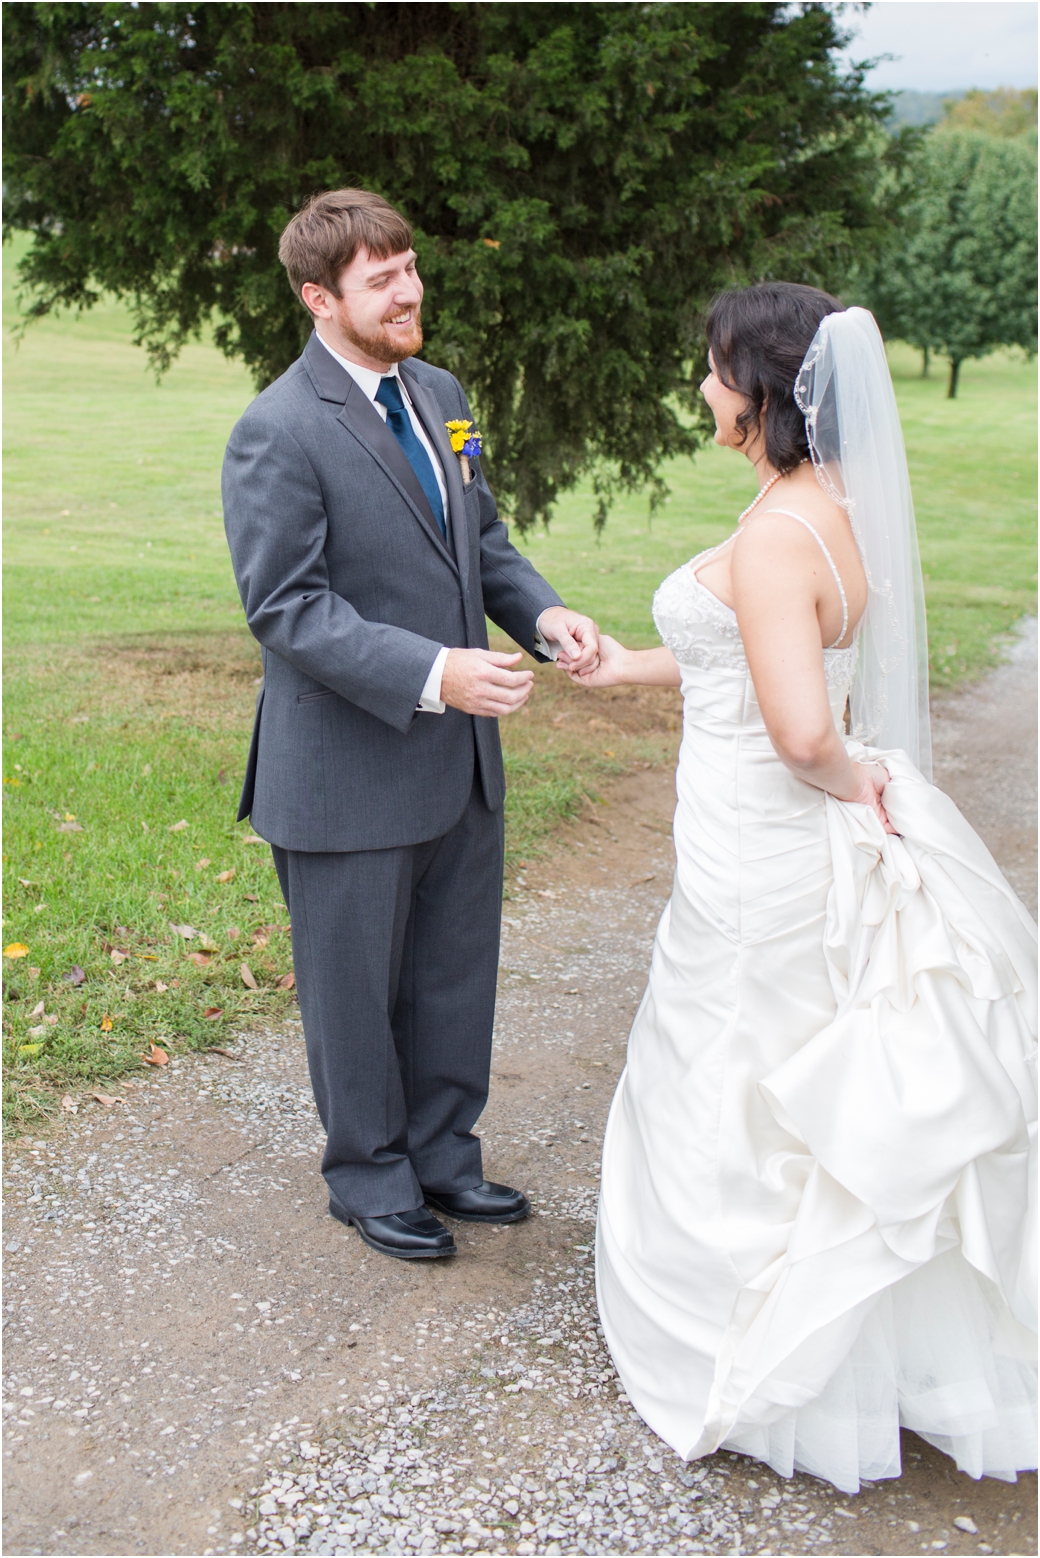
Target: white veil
<point>844,390</point>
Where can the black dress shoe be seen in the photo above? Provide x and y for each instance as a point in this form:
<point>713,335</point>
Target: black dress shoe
<point>411,1235</point>
<point>483,1204</point>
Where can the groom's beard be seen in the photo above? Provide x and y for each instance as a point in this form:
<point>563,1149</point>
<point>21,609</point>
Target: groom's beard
<point>385,348</point>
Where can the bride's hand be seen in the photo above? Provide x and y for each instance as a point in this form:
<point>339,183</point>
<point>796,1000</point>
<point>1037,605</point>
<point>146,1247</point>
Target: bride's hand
<point>873,779</point>
<point>607,670</point>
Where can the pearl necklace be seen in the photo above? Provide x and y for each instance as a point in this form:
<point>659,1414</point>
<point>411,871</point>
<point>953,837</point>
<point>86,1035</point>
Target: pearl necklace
<point>758,497</point>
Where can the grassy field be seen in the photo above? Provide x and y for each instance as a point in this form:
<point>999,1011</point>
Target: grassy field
<point>131,678</point>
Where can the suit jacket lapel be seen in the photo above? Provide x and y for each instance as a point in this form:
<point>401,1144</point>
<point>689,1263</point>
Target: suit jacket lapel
<point>361,418</point>
<point>432,419</point>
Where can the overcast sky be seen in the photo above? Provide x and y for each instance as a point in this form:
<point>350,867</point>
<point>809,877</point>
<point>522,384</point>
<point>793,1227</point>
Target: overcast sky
<point>942,45</point>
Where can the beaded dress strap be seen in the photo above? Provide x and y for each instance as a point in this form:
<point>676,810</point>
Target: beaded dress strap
<point>696,563</point>
<point>837,576</point>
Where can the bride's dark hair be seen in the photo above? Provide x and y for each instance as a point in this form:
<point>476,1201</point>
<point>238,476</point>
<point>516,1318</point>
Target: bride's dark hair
<point>758,337</point>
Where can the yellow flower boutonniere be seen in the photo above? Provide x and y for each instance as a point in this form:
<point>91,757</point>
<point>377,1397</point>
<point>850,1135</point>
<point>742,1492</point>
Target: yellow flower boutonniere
<point>467,444</point>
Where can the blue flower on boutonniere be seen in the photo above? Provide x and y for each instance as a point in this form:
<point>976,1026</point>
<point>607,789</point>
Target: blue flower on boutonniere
<point>467,444</point>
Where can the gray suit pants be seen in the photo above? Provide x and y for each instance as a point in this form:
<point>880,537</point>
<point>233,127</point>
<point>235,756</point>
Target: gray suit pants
<point>396,959</point>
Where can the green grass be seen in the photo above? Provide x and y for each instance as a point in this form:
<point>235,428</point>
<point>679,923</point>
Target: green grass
<point>113,484</point>
<point>130,676</point>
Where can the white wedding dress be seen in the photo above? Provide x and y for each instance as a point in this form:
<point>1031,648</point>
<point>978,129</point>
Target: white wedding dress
<point>814,1221</point>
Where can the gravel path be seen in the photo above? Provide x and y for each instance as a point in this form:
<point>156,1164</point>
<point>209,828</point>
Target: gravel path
<point>200,1361</point>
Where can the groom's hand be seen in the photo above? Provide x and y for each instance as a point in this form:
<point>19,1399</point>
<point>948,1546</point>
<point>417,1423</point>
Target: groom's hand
<point>479,681</point>
<point>577,636</point>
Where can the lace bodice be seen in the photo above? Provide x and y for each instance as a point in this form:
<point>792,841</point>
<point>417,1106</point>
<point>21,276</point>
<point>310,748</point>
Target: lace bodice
<point>701,631</point>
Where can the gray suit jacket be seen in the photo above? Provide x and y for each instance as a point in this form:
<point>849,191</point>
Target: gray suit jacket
<point>351,591</point>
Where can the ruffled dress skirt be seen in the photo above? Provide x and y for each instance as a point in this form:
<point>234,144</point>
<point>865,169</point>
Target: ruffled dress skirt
<point>815,1220</point>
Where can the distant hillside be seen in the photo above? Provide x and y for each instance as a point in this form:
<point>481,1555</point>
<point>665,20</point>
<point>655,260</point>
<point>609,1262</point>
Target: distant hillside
<point>921,108</point>
<point>1006,111</point>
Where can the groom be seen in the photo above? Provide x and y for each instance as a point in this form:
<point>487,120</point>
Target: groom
<point>366,564</point>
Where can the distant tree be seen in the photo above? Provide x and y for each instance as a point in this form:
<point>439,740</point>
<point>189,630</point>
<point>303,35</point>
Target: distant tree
<point>581,177</point>
<point>961,276</point>
<point>1006,111</point>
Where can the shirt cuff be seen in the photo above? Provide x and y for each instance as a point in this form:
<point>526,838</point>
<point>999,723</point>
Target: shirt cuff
<point>430,701</point>
<point>545,646</point>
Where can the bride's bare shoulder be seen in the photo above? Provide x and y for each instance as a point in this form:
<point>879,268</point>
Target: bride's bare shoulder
<point>794,503</point>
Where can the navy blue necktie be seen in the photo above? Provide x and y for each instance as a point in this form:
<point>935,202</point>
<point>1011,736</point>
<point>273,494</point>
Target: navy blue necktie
<point>400,423</point>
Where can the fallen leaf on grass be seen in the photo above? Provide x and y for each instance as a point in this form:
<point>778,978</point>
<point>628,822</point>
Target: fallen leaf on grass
<point>69,1104</point>
<point>253,897</point>
<point>203,959</point>
<point>24,882</point>
<point>155,1056</point>
<point>213,1012</point>
<point>37,1010</point>
<point>178,827</point>
<point>253,838</point>
<point>160,986</point>
<point>187,931</point>
<point>70,827</point>
<point>248,977</point>
<point>117,956</point>
<point>16,949</point>
<point>222,776</point>
<point>51,1020</point>
<point>103,1098</point>
<point>225,876</point>
<point>233,932</point>
<point>106,1024</point>
<point>200,865</point>
<point>286,982</point>
<point>31,1049</point>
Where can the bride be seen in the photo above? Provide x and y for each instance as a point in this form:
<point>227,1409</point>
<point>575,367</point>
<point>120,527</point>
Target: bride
<point>813,1222</point>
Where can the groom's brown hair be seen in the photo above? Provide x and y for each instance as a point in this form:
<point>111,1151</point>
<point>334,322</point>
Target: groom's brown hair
<point>326,233</point>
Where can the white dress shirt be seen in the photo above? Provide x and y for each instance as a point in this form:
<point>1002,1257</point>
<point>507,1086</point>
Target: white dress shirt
<point>368,380</point>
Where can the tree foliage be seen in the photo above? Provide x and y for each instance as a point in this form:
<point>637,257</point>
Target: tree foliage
<point>581,176</point>
<point>961,276</point>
